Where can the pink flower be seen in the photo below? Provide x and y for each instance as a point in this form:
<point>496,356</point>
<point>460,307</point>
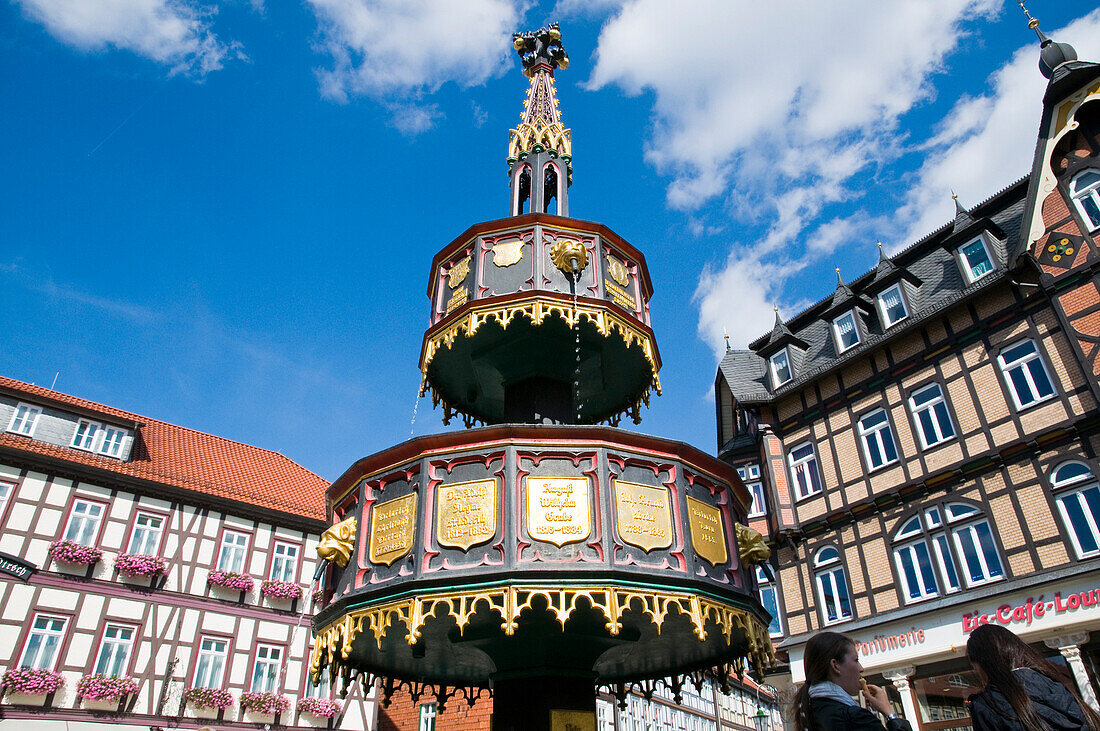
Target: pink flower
<point>319,707</point>
<point>139,564</point>
<point>209,697</point>
<point>31,681</point>
<point>269,703</point>
<point>231,580</point>
<point>105,687</point>
<point>280,590</point>
<point>73,552</point>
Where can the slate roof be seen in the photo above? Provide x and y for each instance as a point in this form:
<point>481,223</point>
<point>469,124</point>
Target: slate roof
<point>930,261</point>
<point>183,458</point>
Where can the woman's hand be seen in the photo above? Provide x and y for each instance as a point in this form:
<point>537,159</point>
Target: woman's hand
<point>876,698</point>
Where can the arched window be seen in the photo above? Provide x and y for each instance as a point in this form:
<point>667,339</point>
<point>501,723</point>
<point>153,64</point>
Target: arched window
<point>1085,191</point>
<point>770,602</point>
<point>832,586</point>
<point>1078,497</point>
<point>521,190</point>
<point>550,188</point>
<point>942,546</point>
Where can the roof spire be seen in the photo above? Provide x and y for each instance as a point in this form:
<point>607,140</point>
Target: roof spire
<point>726,335</point>
<point>881,253</point>
<point>778,319</point>
<point>1051,54</point>
<point>839,279</point>
<point>540,148</point>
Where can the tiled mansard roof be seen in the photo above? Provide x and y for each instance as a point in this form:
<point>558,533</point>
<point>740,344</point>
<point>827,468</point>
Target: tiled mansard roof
<point>183,458</point>
<point>931,261</point>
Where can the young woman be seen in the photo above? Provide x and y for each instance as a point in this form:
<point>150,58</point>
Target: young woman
<point>1023,690</point>
<point>833,676</point>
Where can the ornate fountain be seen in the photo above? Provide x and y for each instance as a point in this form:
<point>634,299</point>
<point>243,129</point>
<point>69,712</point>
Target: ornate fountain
<point>546,552</point>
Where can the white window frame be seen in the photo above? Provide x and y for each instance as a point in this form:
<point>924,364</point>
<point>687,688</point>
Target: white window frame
<point>964,567</point>
<point>232,552</point>
<point>149,542</point>
<point>24,419</point>
<point>1074,488</point>
<point>321,689</point>
<point>213,652</point>
<point>45,636</point>
<point>87,435</point>
<point>806,467</point>
<point>923,590</point>
<point>750,475</point>
<point>113,441</point>
<point>1091,193</point>
<point>786,356</point>
<point>1023,364</point>
<point>887,323</point>
<point>84,513</point>
<point>763,584</point>
<point>875,432</point>
<point>7,489</point>
<point>113,656</point>
<point>967,267</point>
<point>289,563</point>
<point>265,669</point>
<point>831,570</point>
<point>426,714</point>
<point>938,420</point>
<point>838,337</point>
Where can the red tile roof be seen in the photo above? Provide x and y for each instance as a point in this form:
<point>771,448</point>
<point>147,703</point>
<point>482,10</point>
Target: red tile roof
<point>184,458</point>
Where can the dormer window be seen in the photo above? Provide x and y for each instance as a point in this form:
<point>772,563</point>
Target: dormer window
<point>846,331</point>
<point>891,305</point>
<point>781,368</point>
<point>85,437</point>
<point>975,260</point>
<point>24,419</point>
<point>1085,190</point>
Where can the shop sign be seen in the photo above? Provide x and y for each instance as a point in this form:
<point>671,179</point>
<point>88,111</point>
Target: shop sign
<point>885,643</point>
<point>1034,608</point>
<point>16,567</point>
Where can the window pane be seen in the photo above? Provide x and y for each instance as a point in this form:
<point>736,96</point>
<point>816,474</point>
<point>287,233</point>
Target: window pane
<point>1074,507</point>
<point>989,548</point>
<point>908,572</point>
<point>977,259</point>
<point>1070,472</point>
<point>928,575</point>
<point>947,562</point>
<point>768,601</point>
<point>943,420</point>
<point>1043,386</point>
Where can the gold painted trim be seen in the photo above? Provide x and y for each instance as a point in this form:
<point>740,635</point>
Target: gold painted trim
<point>537,310</point>
<point>708,535</point>
<point>392,529</point>
<point>480,511</point>
<point>509,602</point>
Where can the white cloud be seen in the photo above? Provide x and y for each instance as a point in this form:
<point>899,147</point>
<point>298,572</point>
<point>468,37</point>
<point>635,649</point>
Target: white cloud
<point>988,141</point>
<point>176,33</point>
<point>398,50</point>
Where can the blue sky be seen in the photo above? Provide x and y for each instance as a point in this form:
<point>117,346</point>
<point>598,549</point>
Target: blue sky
<point>221,214</point>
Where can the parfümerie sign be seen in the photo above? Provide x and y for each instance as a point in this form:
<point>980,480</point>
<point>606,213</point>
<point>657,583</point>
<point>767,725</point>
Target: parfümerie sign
<point>16,567</point>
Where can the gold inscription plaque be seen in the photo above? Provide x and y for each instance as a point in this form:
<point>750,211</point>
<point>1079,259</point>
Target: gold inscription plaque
<point>458,298</point>
<point>558,509</point>
<point>708,537</point>
<point>620,297</point>
<point>617,270</point>
<point>643,515</point>
<point>572,720</point>
<point>466,514</point>
<point>392,529</point>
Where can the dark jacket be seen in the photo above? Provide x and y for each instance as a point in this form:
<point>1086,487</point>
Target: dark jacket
<point>827,714</point>
<point>991,711</point>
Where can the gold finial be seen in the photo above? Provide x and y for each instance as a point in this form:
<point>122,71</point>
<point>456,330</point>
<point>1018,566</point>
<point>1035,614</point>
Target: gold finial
<point>1032,23</point>
<point>880,245</point>
<point>726,336</point>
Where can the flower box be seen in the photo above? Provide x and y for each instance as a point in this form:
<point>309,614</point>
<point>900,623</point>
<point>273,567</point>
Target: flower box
<point>105,687</point>
<point>268,703</point>
<point>319,707</point>
<point>73,552</point>
<point>218,698</point>
<point>281,590</point>
<point>31,681</point>
<point>140,564</point>
<point>231,580</point>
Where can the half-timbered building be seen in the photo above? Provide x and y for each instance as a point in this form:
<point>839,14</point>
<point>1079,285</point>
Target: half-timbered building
<point>152,575</point>
<point>922,444</point>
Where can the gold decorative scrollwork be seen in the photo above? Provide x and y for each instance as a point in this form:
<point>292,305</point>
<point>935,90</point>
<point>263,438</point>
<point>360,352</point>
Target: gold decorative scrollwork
<point>338,542</point>
<point>751,546</point>
<point>565,251</point>
<point>509,602</point>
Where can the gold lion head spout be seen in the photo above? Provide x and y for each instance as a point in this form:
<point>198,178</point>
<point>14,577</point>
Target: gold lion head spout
<point>751,546</point>
<point>337,542</point>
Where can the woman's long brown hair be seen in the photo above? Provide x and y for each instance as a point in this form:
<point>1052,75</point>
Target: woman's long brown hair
<point>997,651</point>
<point>821,650</point>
